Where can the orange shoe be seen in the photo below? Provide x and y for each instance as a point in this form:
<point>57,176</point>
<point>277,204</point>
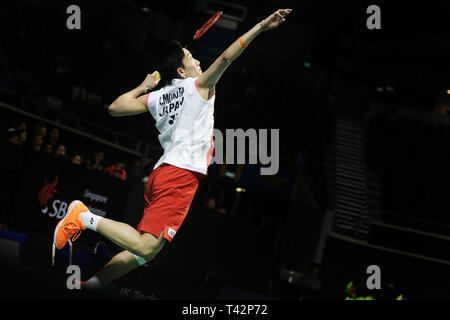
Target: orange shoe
<point>81,284</point>
<point>70,225</point>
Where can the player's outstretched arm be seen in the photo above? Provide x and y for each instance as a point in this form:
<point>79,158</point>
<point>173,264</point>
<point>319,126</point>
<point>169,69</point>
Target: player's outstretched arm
<point>133,102</point>
<point>211,76</point>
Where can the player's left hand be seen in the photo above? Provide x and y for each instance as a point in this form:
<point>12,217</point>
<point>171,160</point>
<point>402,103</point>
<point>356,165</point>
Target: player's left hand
<point>275,19</point>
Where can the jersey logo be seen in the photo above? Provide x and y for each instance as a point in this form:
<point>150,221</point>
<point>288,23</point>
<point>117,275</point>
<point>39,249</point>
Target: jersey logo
<point>172,118</point>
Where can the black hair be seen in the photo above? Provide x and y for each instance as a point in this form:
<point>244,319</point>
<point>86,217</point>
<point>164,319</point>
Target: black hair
<point>171,58</point>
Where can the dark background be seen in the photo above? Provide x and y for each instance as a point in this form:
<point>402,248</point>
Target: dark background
<point>322,64</point>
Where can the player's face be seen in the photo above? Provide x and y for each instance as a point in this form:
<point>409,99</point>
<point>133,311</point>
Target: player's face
<point>191,65</point>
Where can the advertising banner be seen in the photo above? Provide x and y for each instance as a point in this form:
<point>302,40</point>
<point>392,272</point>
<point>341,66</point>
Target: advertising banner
<point>48,186</point>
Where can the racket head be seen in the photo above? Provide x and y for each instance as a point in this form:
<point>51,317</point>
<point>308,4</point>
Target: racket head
<point>208,24</point>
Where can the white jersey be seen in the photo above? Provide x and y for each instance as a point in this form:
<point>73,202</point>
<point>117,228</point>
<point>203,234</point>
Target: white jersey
<point>185,122</point>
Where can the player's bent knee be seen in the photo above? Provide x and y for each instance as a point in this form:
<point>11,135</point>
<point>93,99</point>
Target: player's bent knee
<point>149,247</point>
<point>149,252</point>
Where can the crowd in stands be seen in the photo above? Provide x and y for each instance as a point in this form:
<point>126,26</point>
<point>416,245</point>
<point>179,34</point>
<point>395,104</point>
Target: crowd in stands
<point>38,137</point>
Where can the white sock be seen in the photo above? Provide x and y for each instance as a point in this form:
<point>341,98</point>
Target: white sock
<point>90,220</point>
<point>93,284</point>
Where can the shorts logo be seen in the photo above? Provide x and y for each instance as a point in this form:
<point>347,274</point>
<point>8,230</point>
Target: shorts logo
<point>171,232</point>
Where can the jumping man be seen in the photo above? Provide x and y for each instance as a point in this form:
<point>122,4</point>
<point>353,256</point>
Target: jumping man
<point>184,113</point>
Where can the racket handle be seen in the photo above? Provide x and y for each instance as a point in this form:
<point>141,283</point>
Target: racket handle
<point>157,76</point>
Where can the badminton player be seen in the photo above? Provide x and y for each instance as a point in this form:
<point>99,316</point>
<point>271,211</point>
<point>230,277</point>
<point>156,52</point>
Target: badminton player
<point>183,110</point>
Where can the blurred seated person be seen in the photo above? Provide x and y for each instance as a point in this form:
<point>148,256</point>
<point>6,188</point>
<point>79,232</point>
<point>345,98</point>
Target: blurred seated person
<point>53,136</point>
<point>97,162</point>
<point>16,137</point>
<point>312,279</point>
<point>12,137</point>
<point>47,148</point>
<point>22,137</point>
<point>40,129</point>
<point>20,125</point>
<point>78,159</point>
<point>37,142</point>
<point>60,152</point>
<point>117,170</point>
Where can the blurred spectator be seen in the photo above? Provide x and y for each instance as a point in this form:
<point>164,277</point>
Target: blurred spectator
<point>22,137</point>
<point>20,125</point>
<point>60,151</point>
<point>36,142</point>
<point>17,134</point>
<point>312,279</point>
<point>97,162</point>
<point>40,129</point>
<point>117,170</point>
<point>47,148</point>
<point>53,136</point>
<point>12,137</point>
<point>78,159</point>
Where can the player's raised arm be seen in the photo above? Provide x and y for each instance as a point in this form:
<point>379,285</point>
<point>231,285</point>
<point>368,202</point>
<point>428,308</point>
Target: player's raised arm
<point>133,102</point>
<point>211,76</point>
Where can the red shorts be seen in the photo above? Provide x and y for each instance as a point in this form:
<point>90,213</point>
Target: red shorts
<point>168,196</point>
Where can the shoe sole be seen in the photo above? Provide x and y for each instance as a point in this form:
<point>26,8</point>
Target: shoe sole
<point>72,205</point>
